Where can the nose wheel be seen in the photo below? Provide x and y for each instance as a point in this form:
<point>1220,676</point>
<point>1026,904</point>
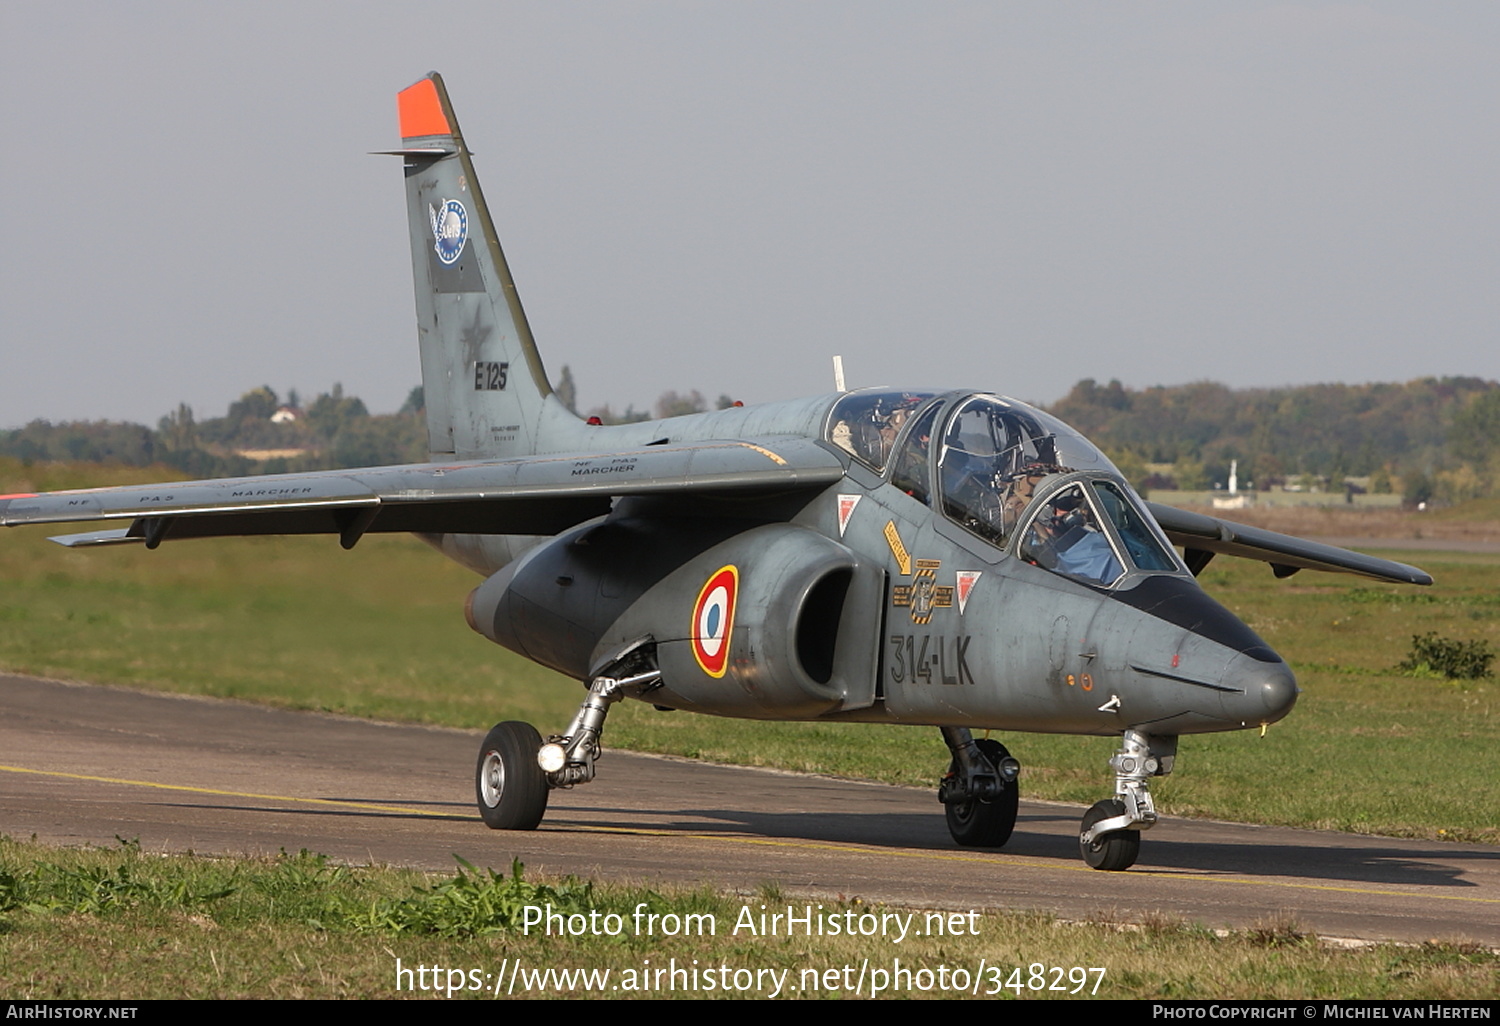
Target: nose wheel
<point>1112,851</point>
<point>1110,835</point>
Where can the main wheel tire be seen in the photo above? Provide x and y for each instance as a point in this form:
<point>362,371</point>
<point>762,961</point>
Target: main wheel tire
<point>978,823</point>
<point>508,784</point>
<point>1113,851</point>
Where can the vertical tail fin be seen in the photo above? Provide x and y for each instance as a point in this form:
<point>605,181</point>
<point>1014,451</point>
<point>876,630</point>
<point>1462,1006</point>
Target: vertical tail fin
<point>482,378</point>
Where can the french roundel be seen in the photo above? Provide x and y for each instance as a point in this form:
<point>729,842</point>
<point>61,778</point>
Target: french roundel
<point>713,619</point>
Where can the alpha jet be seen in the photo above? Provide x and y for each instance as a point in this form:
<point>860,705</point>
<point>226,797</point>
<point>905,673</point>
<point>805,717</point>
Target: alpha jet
<point>950,559</point>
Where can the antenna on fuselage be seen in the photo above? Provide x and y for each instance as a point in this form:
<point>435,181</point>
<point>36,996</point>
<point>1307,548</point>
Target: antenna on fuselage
<point>838,374</point>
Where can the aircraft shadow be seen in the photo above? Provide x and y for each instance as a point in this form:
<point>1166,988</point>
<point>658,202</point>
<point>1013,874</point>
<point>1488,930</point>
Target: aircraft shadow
<point>386,813</point>
<point>1046,834</point>
<point>1040,833</point>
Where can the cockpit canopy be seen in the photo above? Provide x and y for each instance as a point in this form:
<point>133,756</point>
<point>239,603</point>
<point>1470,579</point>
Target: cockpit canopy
<point>1086,528</point>
<point>1001,464</point>
<point>865,423</point>
<point>997,454</point>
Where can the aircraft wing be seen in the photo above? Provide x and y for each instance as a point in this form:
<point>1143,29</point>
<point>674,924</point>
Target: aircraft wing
<point>1202,536</point>
<point>529,495</point>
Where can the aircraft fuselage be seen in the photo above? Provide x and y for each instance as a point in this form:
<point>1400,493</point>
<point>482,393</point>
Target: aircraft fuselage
<point>953,628</point>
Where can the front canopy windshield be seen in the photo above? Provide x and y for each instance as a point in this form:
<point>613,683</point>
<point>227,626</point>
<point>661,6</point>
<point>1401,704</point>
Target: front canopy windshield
<point>1142,545</point>
<point>865,423</point>
<point>1067,535</point>
<point>996,455</point>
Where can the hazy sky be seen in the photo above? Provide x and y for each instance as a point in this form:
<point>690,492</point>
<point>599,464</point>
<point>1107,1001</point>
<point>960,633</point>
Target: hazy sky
<point>722,195</point>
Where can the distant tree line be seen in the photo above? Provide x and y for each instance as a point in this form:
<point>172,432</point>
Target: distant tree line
<point>669,404</point>
<point>1430,439</point>
<point>1433,438</point>
<point>333,431</point>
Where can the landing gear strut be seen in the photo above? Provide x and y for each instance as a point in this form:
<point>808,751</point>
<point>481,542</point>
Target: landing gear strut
<point>1110,837</point>
<point>980,794</point>
<point>516,770</point>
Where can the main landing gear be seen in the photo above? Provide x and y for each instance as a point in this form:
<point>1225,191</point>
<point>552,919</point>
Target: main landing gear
<point>516,770</point>
<point>980,793</point>
<point>1110,836</point>
<point>510,786</point>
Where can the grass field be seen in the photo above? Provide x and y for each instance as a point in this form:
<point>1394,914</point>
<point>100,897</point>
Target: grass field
<point>1477,520</point>
<point>81,924</point>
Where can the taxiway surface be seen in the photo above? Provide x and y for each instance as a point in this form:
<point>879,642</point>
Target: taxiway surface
<point>81,764</point>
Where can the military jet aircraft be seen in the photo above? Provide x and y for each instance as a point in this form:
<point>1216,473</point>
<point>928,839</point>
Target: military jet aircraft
<point>952,559</point>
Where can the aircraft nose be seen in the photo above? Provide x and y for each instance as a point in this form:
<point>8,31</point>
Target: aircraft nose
<point>1268,689</point>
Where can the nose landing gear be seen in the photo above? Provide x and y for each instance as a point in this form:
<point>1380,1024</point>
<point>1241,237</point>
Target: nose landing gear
<point>1110,836</point>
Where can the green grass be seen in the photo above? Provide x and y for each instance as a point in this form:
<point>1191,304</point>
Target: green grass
<point>119,923</point>
<point>24,476</point>
<point>379,633</point>
<point>1487,509</point>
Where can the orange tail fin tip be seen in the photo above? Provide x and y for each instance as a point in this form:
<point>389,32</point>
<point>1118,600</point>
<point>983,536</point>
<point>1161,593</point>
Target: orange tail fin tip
<point>421,111</point>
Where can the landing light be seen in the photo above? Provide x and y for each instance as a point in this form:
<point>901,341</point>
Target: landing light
<point>552,758</point>
<point>1009,769</point>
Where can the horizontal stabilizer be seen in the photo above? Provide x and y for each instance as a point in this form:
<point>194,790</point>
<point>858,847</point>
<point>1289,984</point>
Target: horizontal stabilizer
<point>1202,534</point>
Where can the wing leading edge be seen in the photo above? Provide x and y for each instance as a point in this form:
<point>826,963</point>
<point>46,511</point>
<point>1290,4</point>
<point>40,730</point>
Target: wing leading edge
<point>1203,536</point>
<point>531,495</point>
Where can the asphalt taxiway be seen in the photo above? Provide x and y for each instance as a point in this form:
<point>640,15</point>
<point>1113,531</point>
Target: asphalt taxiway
<point>81,764</point>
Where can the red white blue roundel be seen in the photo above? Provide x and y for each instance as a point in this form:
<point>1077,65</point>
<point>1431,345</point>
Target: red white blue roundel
<point>450,229</point>
<point>713,619</point>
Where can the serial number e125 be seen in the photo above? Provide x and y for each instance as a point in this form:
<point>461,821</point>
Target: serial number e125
<point>489,375</point>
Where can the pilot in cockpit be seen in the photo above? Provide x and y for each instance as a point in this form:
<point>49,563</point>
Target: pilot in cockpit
<point>889,428</point>
<point>866,425</point>
<point>1066,538</point>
